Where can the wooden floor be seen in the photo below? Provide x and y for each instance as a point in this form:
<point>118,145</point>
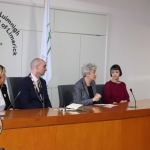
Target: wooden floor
<point>98,128</point>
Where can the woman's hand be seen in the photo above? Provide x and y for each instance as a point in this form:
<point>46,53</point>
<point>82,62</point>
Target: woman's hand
<point>115,103</point>
<point>97,97</point>
<point>122,101</point>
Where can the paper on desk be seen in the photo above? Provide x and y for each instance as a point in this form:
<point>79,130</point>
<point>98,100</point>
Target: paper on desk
<point>74,106</point>
<point>106,105</point>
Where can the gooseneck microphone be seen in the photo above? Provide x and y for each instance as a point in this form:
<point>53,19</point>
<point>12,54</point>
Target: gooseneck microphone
<point>133,97</point>
<point>14,100</point>
<point>11,105</point>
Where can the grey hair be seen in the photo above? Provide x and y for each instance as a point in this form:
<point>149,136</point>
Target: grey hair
<point>35,62</point>
<point>87,68</point>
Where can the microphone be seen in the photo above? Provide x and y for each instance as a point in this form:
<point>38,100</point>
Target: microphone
<point>134,99</point>
<point>11,105</point>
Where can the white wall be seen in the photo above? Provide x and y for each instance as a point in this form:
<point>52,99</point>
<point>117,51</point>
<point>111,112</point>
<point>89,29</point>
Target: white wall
<point>77,38</point>
<point>128,38</point>
<point>129,34</point>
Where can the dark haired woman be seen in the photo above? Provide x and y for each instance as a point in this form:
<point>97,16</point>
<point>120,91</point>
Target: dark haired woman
<point>4,99</point>
<point>114,90</point>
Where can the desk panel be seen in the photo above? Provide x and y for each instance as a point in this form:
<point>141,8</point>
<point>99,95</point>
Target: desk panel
<point>117,128</point>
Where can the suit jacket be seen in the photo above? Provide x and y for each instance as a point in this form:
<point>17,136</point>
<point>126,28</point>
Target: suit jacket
<point>6,97</point>
<point>28,97</point>
<point>81,94</point>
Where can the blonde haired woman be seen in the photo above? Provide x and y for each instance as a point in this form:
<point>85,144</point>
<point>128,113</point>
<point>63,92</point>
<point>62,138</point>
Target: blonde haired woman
<point>4,99</point>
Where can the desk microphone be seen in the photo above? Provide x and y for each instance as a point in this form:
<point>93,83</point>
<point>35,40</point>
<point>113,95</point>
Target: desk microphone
<point>11,105</point>
<point>133,97</point>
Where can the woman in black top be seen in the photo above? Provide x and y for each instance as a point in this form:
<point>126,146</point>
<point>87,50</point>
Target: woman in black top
<point>4,98</point>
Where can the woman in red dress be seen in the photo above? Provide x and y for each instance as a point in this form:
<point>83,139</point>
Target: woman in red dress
<point>115,90</point>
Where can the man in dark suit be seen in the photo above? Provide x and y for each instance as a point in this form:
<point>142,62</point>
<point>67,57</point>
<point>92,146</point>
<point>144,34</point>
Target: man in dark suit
<point>33,88</point>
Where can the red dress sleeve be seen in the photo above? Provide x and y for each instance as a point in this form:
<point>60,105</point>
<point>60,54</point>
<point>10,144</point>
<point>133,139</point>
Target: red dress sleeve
<point>114,92</point>
<point>126,93</point>
<point>107,94</point>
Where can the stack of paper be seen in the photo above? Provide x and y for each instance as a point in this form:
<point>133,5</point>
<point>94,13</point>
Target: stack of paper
<point>74,106</point>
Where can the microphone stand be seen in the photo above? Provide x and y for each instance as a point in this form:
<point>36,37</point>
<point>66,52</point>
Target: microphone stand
<point>64,109</point>
<point>5,115</point>
<point>134,100</point>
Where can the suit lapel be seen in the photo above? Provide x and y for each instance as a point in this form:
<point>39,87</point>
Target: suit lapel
<point>34,86</point>
<point>85,86</point>
<point>41,86</point>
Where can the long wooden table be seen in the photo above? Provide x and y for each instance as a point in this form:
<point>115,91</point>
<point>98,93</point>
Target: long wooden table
<point>93,128</point>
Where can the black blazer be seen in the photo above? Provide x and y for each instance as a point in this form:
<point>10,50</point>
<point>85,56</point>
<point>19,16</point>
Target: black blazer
<point>28,98</point>
<point>6,97</point>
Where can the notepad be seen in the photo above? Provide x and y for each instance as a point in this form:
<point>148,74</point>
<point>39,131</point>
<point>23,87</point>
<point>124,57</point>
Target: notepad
<point>74,106</point>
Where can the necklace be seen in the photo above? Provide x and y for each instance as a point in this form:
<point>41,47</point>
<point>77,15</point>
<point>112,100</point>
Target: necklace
<point>38,92</point>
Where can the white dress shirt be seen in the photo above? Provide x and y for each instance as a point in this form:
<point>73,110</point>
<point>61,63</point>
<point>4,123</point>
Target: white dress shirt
<point>2,101</point>
<point>35,79</point>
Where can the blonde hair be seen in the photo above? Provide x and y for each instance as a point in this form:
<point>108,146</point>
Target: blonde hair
<point>2,70</point>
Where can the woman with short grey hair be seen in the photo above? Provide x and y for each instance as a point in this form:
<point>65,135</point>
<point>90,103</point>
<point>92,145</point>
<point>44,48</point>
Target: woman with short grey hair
<point>85,89</point>
<point>87,68</point>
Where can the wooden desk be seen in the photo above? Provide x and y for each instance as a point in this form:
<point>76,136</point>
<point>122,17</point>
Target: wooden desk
<point>98,128</point>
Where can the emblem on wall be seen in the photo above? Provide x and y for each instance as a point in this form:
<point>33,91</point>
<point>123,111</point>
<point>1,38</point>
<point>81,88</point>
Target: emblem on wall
<point>11,30</point>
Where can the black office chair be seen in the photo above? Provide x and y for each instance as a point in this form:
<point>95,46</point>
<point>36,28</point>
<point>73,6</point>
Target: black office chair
<point>13,83</point>
<point>99,88</point>
<point>65,95</point>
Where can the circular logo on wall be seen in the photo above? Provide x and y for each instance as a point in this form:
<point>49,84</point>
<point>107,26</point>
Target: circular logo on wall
<point>1,126</point>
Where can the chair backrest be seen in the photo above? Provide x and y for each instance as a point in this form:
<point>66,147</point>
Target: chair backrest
<point>65,94</point>
<point>13,83</point>
<point>99,88</point>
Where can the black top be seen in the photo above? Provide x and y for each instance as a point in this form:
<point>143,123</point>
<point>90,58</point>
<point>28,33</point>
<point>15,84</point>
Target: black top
<point>5,96</point>
<point>91,94</point>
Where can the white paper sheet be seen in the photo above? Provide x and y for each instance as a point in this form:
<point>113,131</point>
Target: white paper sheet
<point>106,105</point>
<point>74,106</point>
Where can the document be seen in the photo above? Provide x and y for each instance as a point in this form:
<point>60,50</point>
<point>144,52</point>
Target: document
<point>106,105</point>
<point>74,106</point>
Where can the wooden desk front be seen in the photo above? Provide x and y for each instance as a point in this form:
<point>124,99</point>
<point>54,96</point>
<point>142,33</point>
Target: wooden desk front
<point>117,128</point>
